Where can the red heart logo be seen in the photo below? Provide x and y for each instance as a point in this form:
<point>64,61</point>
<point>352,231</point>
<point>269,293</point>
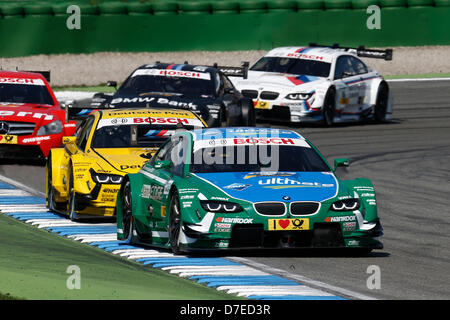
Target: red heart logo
<point>328,219</point>
<point>1,138</point>
<point>219,219</point>
<point>284,223</point>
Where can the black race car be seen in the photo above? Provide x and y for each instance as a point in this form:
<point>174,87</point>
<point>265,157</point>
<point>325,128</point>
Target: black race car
<point>204,90</point>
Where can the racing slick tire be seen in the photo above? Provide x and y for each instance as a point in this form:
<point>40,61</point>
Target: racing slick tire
<point>174,223</point>
<point>329,107</point>
<point>248,118</point>
<point>381,103</point>
<point>127,217</point>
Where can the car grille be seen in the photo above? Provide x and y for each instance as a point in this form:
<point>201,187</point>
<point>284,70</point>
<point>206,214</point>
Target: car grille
<point>303,208</point>
<point>17,128</point>
<point>252,94</point>
<point>270,208</point>
<point>268,95</point>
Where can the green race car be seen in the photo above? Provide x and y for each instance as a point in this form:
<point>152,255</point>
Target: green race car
<point>235,188</point>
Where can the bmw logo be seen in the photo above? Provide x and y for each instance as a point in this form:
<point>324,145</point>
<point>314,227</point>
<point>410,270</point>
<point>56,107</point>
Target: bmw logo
<point>286,198</point>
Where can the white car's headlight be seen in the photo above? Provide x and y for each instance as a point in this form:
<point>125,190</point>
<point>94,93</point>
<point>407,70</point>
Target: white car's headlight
<point>54,127</point>
<point>298,96</point>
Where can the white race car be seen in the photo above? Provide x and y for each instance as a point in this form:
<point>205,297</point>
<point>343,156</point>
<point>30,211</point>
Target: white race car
<point>317,84</point>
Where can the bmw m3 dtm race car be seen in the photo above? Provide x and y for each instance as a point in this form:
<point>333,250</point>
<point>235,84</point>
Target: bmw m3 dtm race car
<point>83,177</point>
<point>318,84</point>
<point>234,188</point>
<point>203,90</point>
<point>31,120</point>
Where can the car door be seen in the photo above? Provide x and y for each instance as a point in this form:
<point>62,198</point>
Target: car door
<point>162,179</point>
<point>347,81</point>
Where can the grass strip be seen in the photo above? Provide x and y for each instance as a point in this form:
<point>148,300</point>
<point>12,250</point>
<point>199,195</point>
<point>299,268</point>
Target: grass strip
<point>34,263</point>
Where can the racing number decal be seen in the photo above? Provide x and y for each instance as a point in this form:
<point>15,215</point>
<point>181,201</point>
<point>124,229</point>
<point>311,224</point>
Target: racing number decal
<point>8,139</point>
<point>288,224</point>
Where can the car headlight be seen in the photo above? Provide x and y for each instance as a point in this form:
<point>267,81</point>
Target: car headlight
<point>54,127</point>
<point>220,206</point>
<point>346,205</point>
<point>106,178</point>
<point>298,96</point>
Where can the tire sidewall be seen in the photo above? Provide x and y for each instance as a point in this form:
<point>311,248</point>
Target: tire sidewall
<point>329,106</point>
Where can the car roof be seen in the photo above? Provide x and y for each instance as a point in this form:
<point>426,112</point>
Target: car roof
<point>325,54</point>
<point>243,132</point>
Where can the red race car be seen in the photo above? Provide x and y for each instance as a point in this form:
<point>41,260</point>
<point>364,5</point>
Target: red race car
<point>31,119</point>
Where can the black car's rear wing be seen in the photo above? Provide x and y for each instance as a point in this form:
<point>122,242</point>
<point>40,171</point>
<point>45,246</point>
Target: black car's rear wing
<point>45,74</point>
<point>362,51</point>
<point>234,71</point>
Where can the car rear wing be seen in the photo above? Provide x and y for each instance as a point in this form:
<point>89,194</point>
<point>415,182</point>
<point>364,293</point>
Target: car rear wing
<point>362,51</point>
<point>234,71</point>
<point>45,74</point>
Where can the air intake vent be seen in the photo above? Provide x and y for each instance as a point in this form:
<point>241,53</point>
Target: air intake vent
<point>270,208</point>
<point>252,94</point>
<point>269,95</point>
<point>304,208</point>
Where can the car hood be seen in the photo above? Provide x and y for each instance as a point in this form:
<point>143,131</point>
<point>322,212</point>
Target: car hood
<point>292,186</point>
<point>267,80</point>
<point>26,112</point>
<point>129,160</point>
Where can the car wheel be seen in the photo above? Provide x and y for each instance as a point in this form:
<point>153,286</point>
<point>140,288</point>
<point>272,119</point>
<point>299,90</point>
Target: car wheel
<point>381,103</point>
<point>72,213</point>
<point>248,114</point>
<point>127,217</point>
<point>329,107</point>
<point>175,224</point>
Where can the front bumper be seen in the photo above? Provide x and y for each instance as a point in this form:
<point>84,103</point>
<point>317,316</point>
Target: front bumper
<point>254,236</point>
<point>101,201</point>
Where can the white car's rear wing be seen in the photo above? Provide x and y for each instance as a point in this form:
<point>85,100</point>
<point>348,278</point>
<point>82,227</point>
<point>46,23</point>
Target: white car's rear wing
<point>362,51</point>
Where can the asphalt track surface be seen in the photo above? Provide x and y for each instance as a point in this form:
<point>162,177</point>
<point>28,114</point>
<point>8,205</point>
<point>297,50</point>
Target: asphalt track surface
<point>408,160</point>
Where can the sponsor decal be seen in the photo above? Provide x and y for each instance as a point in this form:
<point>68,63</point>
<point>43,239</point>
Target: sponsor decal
<point>340,219</point>
<point>222,244</point>
<point>133,166</point>
<point>288,224</point>
<point>8,139</point>
<point>268,174</point>
<point>222,227</point>
<point>187,197</point>
<point>234,220</point>
<point>35,115</point>
<point>208,143</point>
<point>148,120</point>
<point>187,204</point>
<point>279,183</point>
<point>36,82</point>
<point>348,226</point>
<point>172,73</point>
<point>353,243</point>
<point>35,139</point>
<point>145,192</point>
<point>238,186</point>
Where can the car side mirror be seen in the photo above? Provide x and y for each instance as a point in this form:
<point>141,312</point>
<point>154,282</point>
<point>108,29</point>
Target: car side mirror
<point>111,84</point>
<point>162,164</point>
<point>229,90</point>
<point>341,162</point>
<point>69,140</point>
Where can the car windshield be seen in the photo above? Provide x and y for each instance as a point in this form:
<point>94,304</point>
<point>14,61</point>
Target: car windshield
<point>148,84</point>
<point>132,136</point>
<point>293,66</point>
<point>257,158</point>
<point>23,93</point>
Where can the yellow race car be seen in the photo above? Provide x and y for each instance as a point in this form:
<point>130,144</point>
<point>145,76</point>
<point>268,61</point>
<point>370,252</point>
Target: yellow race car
<point>84,176</point>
